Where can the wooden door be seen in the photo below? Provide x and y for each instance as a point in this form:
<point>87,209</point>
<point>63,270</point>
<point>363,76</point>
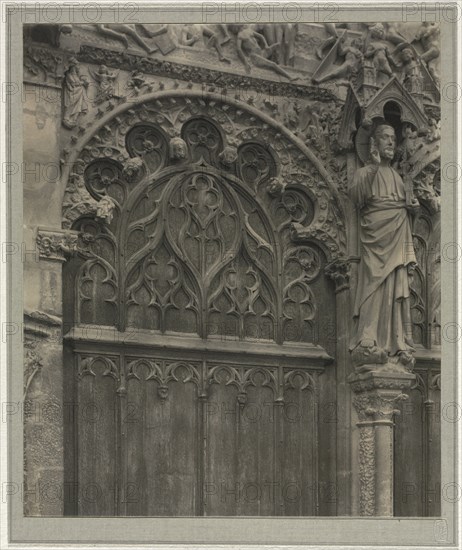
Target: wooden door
<point>201,338</point>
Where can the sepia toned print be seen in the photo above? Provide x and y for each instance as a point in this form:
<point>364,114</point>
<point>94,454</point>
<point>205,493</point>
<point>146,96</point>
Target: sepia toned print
<point>234,305</point>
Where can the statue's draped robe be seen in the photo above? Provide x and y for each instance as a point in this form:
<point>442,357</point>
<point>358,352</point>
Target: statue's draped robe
<point>74,98</point>
<point>382,304</point>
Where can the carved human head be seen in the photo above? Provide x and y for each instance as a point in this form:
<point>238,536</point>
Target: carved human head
<point>132,169</point>
<point>357,43</point>
<point>378,31</point>
<point>228,156</point>
<point>407,55</point>
<point>384,141</point>
<point>178,149</point>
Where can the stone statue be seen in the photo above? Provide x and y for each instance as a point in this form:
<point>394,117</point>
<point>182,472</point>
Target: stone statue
<point>382,305</point>
<point>192,33</point>
<point>74,88</point>
<point>353,60</point>
<point>252,47</point>
<point>377,49</point>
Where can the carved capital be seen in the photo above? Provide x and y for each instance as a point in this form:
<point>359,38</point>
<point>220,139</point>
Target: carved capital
<point>377,393</point>
<point>56,245</point>
<point>339,272</point>
<point>380,379</point>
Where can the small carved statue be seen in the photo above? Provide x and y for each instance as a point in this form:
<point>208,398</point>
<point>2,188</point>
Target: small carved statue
<point>252,47</point>
<point>178,149</point>
<point>105,80</point>
<point>353,60</point>
<point>377,49</point>
<point>427,190</point>
<point>382,305</point>
<point>411,144</point>
<point>132,169</point>
<point>136,81</point>
<point>192,33</point>
<point>74,88</point>
<point>105,208</point>
<point>429,37</point>
<point>412,79</point>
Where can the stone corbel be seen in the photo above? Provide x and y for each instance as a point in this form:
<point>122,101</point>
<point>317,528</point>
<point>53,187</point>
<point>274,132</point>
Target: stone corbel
<point>376,395</point>
<point>59,246</point>
<point>339,272</point>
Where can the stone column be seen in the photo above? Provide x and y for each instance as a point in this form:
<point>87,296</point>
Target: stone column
<point>339,272</point>
<point>377,389</point>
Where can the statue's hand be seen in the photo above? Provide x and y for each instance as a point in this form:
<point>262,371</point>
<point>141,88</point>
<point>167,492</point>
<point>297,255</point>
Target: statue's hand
<point>375,157</point>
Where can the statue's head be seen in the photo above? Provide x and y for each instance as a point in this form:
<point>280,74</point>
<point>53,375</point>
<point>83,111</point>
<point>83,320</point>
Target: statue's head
<point>357,43</point>
<point>178,149</point>
<point>228,156</point>
<point>384,141</point>
<point>378,31</point>
<point>407,55</point>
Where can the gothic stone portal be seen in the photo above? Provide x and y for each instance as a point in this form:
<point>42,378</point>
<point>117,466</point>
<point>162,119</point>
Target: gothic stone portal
<point>200,252</point>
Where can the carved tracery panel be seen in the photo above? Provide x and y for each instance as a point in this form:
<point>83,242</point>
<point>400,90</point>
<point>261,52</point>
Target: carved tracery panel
<point>201,243</point>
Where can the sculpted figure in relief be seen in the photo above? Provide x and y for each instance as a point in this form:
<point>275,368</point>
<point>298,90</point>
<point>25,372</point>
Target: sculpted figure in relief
<point>377,49</point>
<point>74,89</point>
<point>192,33</point>
<point>252,47</point>
<point>121,31</point>
<point>428,36</point>
<point>353,60</point>
<point>105,80</point>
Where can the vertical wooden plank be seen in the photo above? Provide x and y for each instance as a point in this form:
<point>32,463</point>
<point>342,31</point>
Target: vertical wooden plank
<point>409,457</point>
<point>162,462</point>
<point>97,405</point>
<point>220,479</point>
<point>327,422</point>
<point>299,480</point>
<point>256,468</point>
